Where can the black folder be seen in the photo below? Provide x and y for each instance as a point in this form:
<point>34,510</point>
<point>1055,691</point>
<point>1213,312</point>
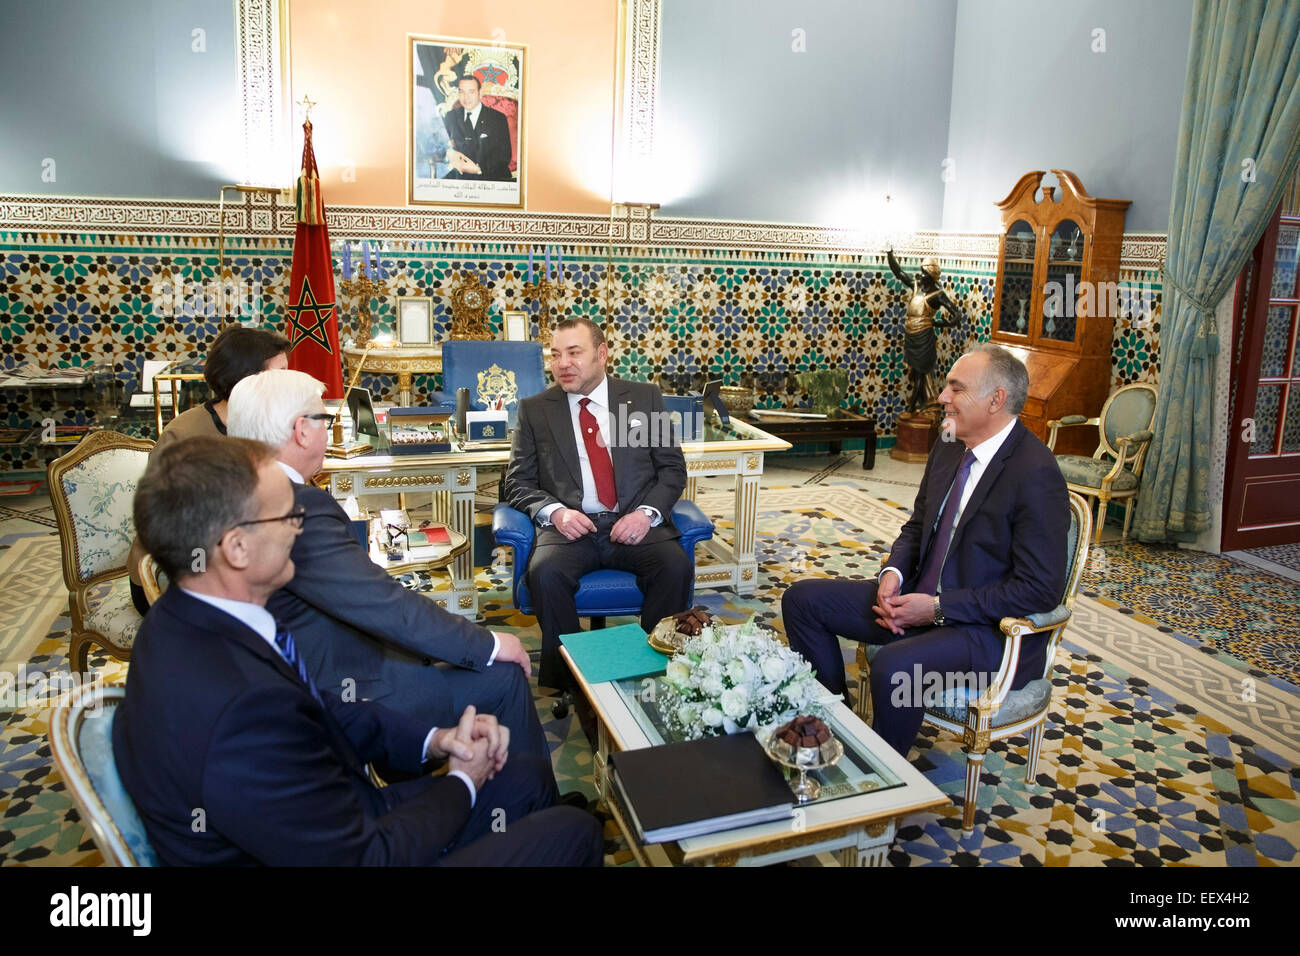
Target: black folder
<point>701,786</point>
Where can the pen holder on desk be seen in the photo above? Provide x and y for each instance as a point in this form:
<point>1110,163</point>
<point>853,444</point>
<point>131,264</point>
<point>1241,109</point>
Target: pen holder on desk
<point>462,408</point>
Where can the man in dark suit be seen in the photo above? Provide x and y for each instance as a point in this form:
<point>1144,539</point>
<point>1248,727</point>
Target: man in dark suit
<point>596,467</point>
<point>232,755</point>
<point>480,136</point>
<point>362,634</point>
<point>986,540</point>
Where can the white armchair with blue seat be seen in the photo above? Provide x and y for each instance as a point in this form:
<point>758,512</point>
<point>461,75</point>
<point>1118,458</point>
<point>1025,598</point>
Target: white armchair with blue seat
<point>81,741</point>
<point>601,594</point>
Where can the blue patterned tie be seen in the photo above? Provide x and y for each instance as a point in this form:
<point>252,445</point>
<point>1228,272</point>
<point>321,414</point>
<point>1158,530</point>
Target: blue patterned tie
<point>284,641</point>
<point>928,582</point>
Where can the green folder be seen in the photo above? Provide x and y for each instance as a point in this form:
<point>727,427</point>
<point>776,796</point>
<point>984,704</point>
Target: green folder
<point>614,653</point>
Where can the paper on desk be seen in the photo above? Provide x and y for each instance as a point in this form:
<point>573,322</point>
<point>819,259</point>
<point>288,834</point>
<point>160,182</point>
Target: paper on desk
<point>613,653</point>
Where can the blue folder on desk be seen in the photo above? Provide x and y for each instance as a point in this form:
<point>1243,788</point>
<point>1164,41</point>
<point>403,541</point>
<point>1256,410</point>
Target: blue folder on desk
<point>613,653</point>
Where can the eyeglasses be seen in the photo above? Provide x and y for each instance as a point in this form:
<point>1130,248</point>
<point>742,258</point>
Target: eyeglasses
<point>297,515</point>
<point>320,417</point>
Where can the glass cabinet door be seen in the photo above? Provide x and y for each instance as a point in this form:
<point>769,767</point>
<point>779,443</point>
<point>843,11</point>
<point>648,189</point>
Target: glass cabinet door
<point>1064,272</point>
<point>1020,247</point>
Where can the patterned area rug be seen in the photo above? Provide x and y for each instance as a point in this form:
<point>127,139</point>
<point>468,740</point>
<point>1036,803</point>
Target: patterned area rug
<point>1159,749</point>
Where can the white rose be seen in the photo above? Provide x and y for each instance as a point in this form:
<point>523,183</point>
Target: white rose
<point>712,687</point>
<point>678,673</point>
<point>712,717</point>
<point>686,714</point>
<point>773,669</point>
<point>735,702</point>
<point>736,670</point>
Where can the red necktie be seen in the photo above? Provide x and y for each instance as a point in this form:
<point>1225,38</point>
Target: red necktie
<point>602,468</point>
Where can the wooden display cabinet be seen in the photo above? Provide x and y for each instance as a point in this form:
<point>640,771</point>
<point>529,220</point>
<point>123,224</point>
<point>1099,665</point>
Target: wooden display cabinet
<point>1056,297</point>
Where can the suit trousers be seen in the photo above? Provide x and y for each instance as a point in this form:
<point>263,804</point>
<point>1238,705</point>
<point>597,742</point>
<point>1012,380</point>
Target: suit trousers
<point>663,573</point>
<point>514,821</point>
<point>908,666</point>
<point>439,694</point>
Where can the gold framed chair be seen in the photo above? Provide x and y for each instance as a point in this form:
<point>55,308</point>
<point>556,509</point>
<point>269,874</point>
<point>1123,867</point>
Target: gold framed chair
<point>92,489</point>
<point>81,741</point>
<point>1114,471</point>
<point>1001,712</point>
<point>152,578</point>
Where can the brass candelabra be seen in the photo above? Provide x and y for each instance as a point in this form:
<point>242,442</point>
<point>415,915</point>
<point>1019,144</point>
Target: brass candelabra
<point>363,287</point>
<point>540,291</point>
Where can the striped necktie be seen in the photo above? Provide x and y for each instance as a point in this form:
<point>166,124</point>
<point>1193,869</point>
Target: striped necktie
<point>284,641</point>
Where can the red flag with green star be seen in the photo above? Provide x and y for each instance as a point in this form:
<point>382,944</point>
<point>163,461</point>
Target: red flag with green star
<point>313,325</point>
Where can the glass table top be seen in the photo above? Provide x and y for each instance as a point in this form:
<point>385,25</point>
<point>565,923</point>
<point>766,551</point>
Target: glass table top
<point>857,772</point>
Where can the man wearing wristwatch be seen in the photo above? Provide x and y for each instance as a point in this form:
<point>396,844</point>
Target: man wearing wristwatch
<point>590,466</point>
<point>986,540</point>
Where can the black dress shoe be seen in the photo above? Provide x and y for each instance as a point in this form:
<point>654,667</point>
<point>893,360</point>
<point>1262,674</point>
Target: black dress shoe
<point>560,709</point>
<point>576,799</point>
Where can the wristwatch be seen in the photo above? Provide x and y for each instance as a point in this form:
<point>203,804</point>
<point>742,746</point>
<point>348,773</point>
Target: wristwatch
<point>648,512</point>
<point>939,619</point>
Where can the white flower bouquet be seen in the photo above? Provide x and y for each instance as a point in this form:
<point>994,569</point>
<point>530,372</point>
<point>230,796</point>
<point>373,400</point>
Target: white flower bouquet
<point>731,678</point>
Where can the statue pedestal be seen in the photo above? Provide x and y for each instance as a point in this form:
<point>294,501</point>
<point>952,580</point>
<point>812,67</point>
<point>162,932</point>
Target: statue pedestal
<point>917,433</point>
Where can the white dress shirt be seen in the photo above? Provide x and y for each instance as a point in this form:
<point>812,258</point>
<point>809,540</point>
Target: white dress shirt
<point>983,453</point>
<point>599,408</point>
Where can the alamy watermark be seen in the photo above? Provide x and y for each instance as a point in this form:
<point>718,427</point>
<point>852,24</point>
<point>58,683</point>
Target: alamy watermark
<point>37,689</point>
<point>174,295</point>
<point>1099,299</point>
<point>935,688</point>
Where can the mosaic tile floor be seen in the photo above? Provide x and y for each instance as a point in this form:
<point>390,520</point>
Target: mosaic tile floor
<point>1149,759</point>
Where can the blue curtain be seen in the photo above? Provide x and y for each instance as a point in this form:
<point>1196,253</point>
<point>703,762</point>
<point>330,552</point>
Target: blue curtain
<point>1238,144</point>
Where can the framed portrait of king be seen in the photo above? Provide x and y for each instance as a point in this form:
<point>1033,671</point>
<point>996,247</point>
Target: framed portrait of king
<point>466,138</point>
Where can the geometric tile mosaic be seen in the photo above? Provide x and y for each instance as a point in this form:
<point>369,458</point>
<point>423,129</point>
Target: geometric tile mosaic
<point>673,316</point>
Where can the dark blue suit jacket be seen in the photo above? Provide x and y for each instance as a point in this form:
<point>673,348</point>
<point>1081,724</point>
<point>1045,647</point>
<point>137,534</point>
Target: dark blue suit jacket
<point>1007,556</point>
<point>215,721</point>
<point>351,620</point>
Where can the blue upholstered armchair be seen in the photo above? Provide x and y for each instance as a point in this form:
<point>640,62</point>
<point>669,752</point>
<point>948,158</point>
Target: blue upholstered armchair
<point>513,370</point>
<point>602,593</point>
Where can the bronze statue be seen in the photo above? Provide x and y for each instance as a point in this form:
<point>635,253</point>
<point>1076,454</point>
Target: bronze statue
<point>926,299</point>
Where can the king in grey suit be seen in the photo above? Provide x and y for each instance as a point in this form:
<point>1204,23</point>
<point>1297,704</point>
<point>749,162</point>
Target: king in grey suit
<point>550,477</point>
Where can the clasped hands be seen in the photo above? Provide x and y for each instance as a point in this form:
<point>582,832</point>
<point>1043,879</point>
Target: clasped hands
<point>462,163</point>
<point>629,529</point>
<point>895,611</point>
<point>477,746</point>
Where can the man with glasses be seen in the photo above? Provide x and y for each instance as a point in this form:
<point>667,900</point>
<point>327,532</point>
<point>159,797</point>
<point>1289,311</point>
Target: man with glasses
<point>231,753</point>
<point>361,633</point>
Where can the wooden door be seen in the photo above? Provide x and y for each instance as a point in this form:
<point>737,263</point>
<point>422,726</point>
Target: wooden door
<point>1261,495</point>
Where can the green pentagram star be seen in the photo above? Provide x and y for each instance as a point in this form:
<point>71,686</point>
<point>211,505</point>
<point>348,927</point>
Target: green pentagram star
<point>318,313</point>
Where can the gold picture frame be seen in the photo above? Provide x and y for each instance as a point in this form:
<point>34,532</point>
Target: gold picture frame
<point>451,162</point>
<point>414,320</point>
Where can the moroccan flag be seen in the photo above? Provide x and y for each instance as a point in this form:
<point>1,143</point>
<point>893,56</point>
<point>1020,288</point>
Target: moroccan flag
<point>313,324</point>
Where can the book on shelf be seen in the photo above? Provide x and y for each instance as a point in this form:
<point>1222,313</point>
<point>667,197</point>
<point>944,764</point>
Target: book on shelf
<point>701,786</point>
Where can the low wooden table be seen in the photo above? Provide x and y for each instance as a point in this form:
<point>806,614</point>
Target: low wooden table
<point>833,430</point>
<point>863,797</point>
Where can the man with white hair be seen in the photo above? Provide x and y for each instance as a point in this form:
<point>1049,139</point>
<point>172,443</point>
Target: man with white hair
<point>363,635</point>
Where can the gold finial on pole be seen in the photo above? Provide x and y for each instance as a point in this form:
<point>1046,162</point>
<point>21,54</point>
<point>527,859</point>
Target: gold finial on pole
<point>306,103</point>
